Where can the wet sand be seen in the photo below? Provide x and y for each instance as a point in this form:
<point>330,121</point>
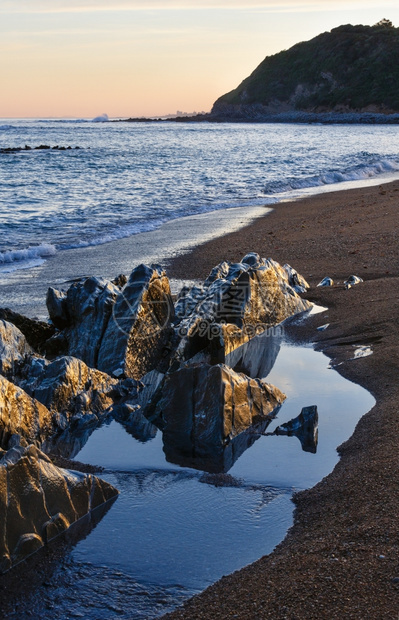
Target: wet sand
<point>25,290</point>
<point>341,557</point>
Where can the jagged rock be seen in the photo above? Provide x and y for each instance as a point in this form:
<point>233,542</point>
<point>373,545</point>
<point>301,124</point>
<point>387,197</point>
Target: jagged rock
<point>352,281</point>
<point>304,427</point>
<point>85,310</point>
<point>237,302</point>
<point>295,279</point>
<point>39,501</point>
<point>57,307</point>
<point>36,332</point>
<point>326,282</point>
<point>137,338</point>
<point>13,348</point>
<point>201,408</point>
<point>23,415</point>
<point>69,388</point>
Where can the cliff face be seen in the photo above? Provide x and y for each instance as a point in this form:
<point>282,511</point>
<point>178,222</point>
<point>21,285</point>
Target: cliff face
<point>350,69</point>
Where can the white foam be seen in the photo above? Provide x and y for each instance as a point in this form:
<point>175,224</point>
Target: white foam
<point>103,118</point>
<point>27,254</point>
<point>357,173</point>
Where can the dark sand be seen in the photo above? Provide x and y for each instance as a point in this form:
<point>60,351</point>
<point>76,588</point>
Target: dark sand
<point>341,557</point>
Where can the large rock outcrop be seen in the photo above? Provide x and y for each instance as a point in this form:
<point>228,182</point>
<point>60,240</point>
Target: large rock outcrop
<point>237,302</point>
<point>201,408</point>
<point>137,338</point>
<point>83,313</point>
<point>39,501</point>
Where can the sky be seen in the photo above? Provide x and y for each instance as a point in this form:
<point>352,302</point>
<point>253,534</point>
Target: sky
<point>83,58</point>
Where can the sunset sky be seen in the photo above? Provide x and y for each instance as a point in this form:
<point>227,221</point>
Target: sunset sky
<point>82,58</point>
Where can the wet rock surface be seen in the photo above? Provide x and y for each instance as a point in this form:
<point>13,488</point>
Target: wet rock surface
<point>137,338</point>
<point>22,415</point>
<point>202,408</point>
<point>39,501</point>
<point>237,302</point>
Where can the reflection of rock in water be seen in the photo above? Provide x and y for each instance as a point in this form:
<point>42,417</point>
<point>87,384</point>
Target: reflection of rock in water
<point>203,410</point>
<point>257,357</point>
<point>71,441</point>
<point>305,427</point>
<point>216,458</point>
<point>134,422</point>
<point>28,589</point>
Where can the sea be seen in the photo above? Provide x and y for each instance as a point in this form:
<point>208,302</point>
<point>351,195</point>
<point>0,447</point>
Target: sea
<point>128,178</point>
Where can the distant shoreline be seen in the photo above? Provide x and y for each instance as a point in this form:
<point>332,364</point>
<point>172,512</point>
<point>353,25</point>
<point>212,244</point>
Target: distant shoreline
<point>256,115</point>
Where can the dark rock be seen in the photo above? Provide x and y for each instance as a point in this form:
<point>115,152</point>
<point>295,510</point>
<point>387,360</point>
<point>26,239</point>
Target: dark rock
<point>137,337</point>
<point>39,501</point>
<point>85,311</point>
<point>201,408</point>
<point>36,332</point>
<point>352,281</point>
<point>57,307</point>
<point>304,427</point>
<point>120,280</point>
<point>326,282</point>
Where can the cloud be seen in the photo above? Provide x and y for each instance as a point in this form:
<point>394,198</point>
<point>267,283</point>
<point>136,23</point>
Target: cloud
<point>77,6</point>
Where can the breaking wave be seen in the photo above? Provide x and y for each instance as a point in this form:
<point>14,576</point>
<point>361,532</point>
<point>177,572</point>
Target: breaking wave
<point>26,254</point>
<point>359,172</point>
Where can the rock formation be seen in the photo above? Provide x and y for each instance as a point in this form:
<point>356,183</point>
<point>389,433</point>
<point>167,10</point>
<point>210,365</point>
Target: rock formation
<point>121,350</point>
<point>201,408</point>
<point>13,348</point>
<point>237,302</point>
<point>84,312</point>
<point>68,388</point>
<point>138,335</point>
<point>22,415</point>
<point>39,501</point>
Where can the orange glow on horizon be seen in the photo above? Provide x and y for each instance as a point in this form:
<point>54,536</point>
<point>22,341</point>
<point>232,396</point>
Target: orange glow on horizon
<point>84,58</point>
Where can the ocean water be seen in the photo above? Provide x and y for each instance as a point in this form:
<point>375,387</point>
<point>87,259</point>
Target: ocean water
<point>128,178</point>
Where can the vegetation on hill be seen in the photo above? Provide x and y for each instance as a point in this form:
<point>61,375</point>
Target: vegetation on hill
<point>349,68</point>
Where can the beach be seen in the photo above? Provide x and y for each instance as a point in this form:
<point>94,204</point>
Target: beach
<point>339,560</point>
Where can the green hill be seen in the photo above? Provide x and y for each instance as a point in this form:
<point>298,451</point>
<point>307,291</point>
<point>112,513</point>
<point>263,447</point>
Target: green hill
<point>350,69</point>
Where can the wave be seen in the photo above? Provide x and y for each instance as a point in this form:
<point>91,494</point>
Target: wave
<point>359,172</point>
<point>7,127</point>
<point>27,254</point>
